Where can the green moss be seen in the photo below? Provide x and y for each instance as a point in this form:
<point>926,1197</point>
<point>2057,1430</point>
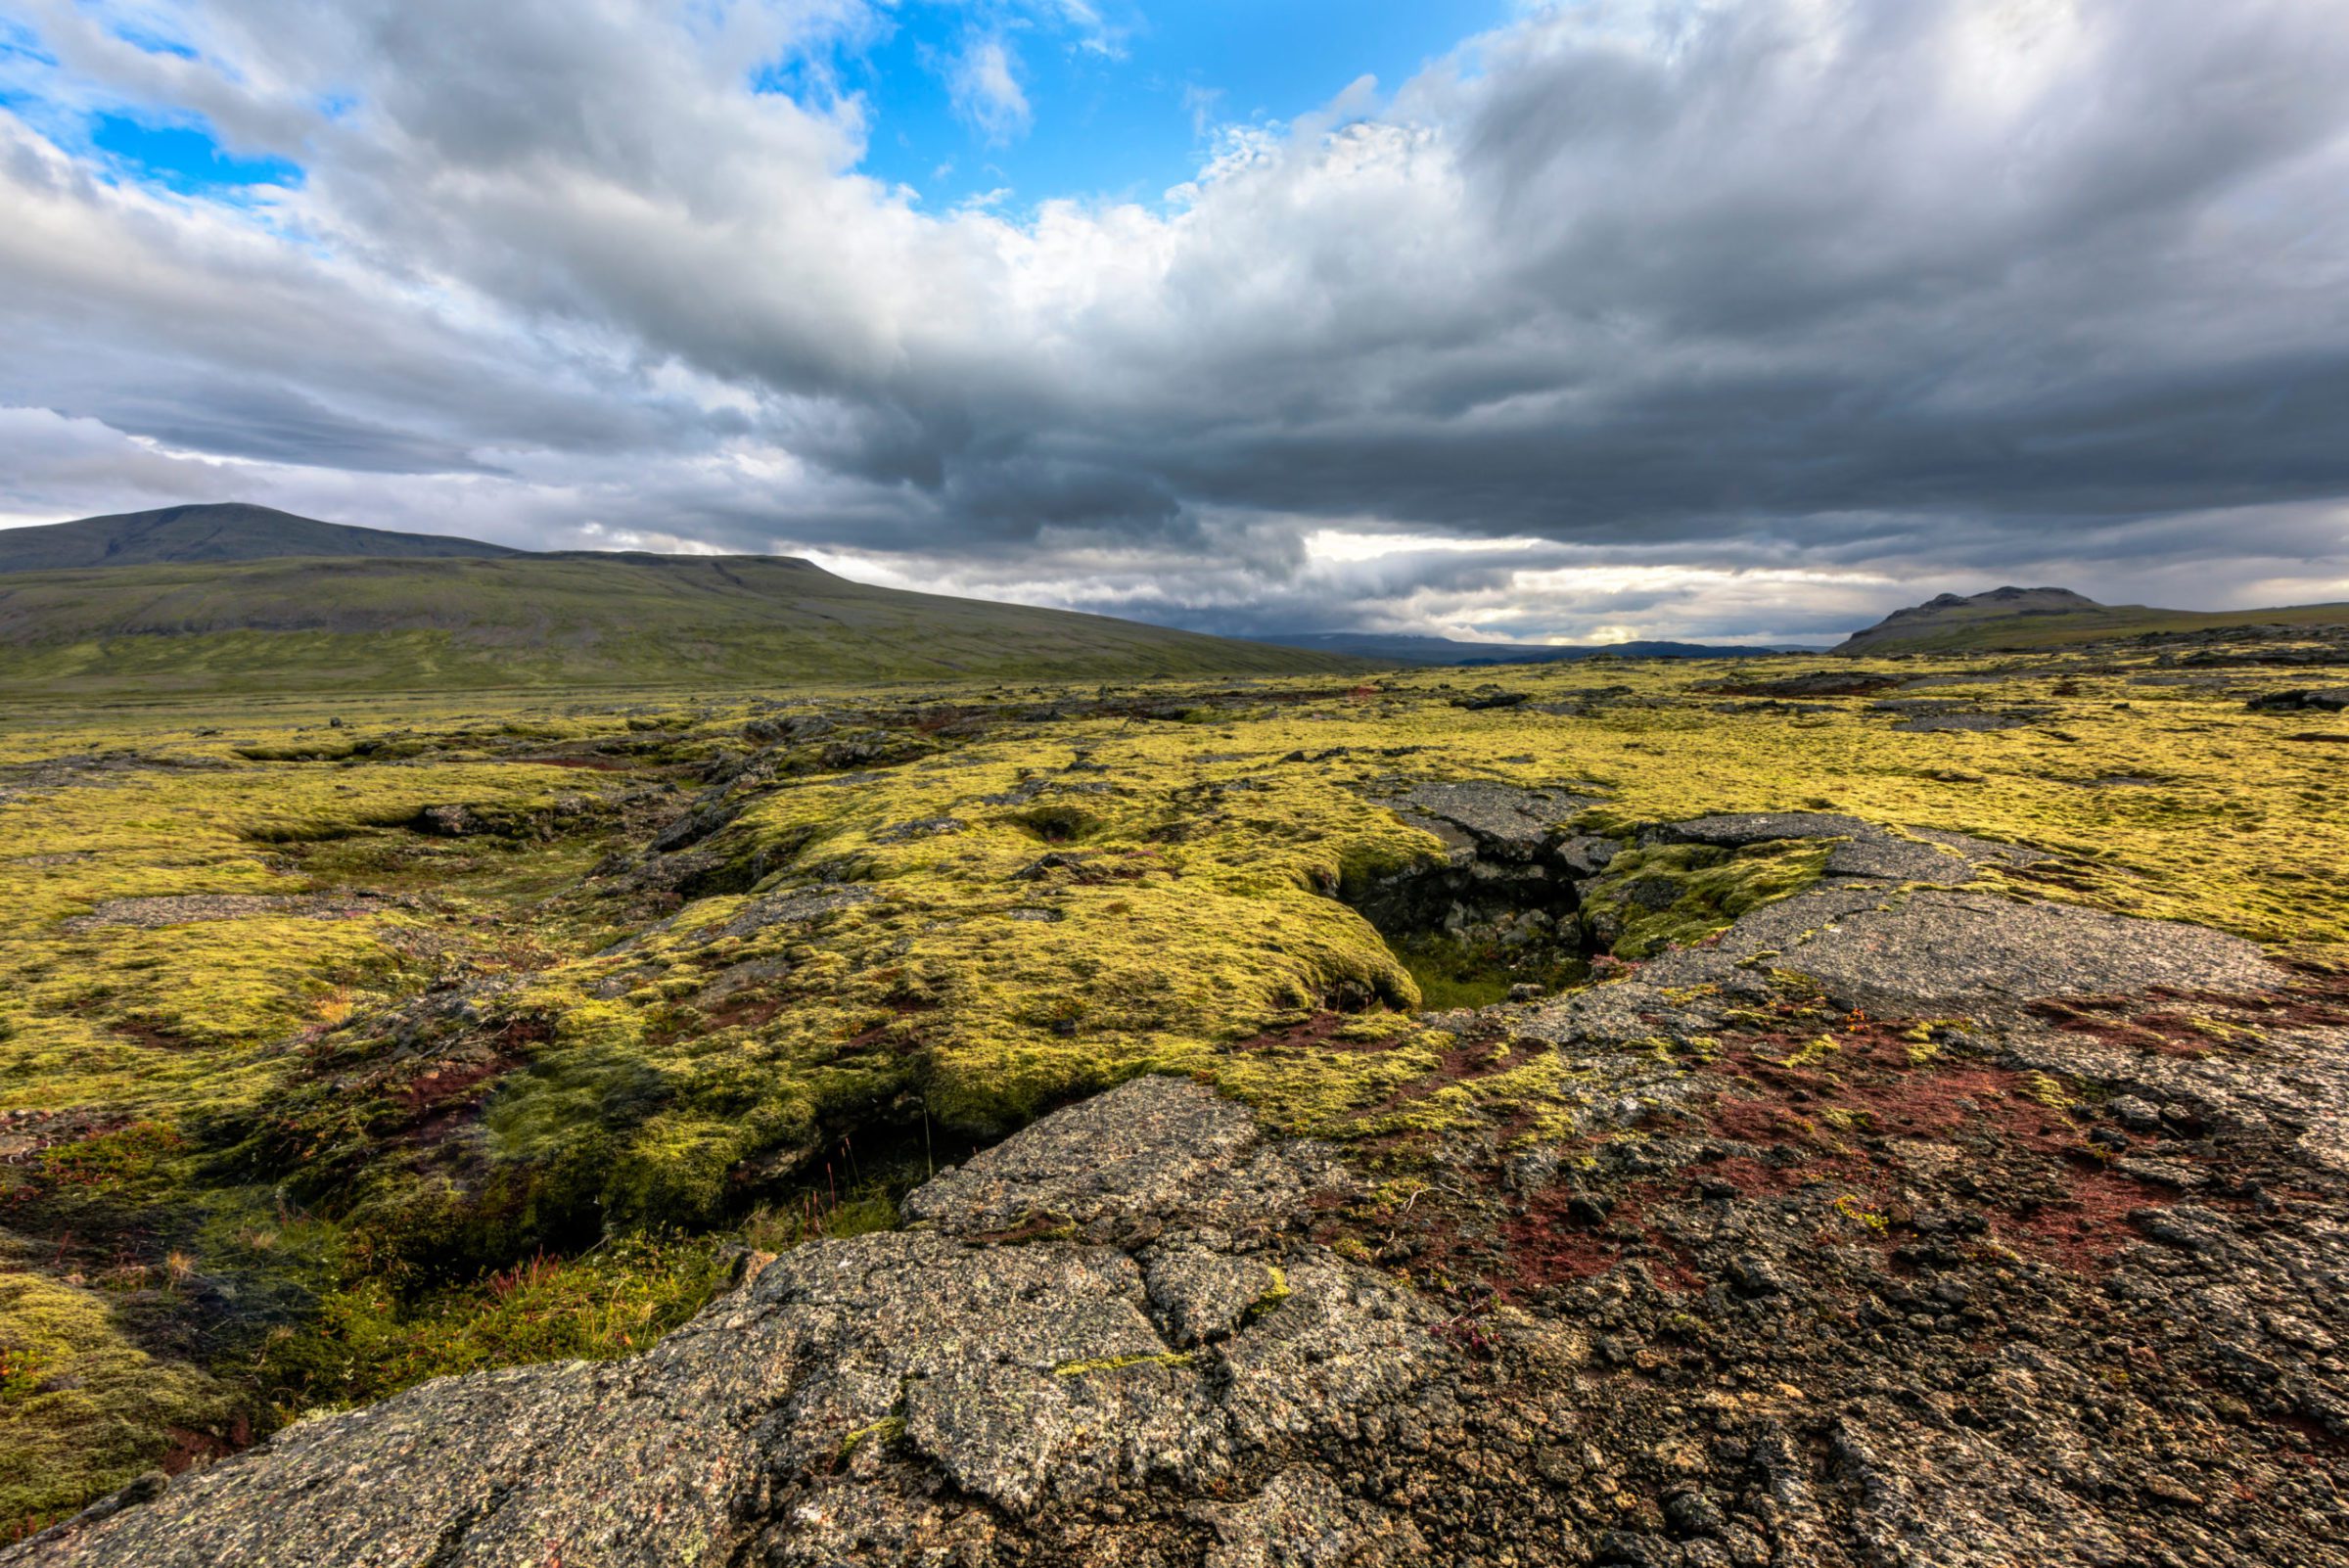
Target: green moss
<point>775,1228</point>
<point>82,1409</point>
<point>366,1340</point>
<point>1275,1296</point>
<point>1672,894</point>
<point>889,1429</point>
<point>126,1159</point>
<point>2047,1092</point>
<point>1451,973</point>
<point>1117,1363</point>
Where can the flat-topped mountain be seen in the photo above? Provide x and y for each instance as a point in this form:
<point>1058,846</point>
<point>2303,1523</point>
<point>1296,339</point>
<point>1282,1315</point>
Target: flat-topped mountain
<point>224,532</point>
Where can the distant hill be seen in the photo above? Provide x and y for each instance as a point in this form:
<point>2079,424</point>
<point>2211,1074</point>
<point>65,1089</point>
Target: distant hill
<point>575,621</point>
<point>1952,613</point>
<point>2041,617</point>
<point>225,532</point>
<point>1409,649</point>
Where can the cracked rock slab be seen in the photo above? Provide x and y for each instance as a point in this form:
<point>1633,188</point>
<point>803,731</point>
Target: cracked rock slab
<point>1155,1149</point>
<point>1934,951</point>
<point>1301,1520</point>
<point>1862,848</point>
<point>1502,821</point>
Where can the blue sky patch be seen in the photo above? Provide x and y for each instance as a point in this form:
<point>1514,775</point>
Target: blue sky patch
<point>155,43</point>
<point>1121,103</point>
<point>183,156</point>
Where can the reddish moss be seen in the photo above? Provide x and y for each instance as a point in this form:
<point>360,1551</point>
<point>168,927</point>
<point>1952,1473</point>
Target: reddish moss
<point>2084,1229</point>
<point>1549,1244</point>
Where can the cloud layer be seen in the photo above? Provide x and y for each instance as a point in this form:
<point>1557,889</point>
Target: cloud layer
<point>1745,319</point>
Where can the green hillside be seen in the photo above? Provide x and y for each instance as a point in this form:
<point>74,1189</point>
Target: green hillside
<point>2040,618</point>
<point>226,532</point>
<point>549,621</point>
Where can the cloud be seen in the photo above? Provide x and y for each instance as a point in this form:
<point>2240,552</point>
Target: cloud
<point>1201,103</point>
<point>1096,34</point>
<point>987,92</point>
<point>1732,319</point>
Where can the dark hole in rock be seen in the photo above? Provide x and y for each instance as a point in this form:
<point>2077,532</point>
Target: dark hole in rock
<point>1498,911</point>
<point>1056,824</point>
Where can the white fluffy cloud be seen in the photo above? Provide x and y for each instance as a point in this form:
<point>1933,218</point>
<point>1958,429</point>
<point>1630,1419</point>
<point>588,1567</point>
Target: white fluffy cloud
<point>1663,319</point>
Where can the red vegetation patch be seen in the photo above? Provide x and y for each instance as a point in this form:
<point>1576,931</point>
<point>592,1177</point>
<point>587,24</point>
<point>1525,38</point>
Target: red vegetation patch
<point>1549,1244</point>
<point>2090,1223</point>
<point>1752,1177</point>
<point>1836,1118</point>
<point>149,1036</point>
<point>2318,998</point>
<point>191,1448</point>
<point>1758,1121</point>
<point>596,765</point>
<point>439,1099</point>
<point>2164,1033</point>
<point>437,1086</point>
<point>1320,1031</point>
<point>746,1011</point>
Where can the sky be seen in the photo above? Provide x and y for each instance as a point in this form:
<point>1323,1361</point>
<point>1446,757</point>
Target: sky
<point>1578,321</point>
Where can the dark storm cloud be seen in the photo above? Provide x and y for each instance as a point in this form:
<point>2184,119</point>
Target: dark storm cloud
<point>1661,319</point>
<point>244,420</point>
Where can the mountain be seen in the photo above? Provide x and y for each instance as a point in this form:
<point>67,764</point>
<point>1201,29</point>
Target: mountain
<point>227,531</point>
<point>2041,617</point>
<point>1410,650</point>
<point>1950,614</point>
<point>565,621</point>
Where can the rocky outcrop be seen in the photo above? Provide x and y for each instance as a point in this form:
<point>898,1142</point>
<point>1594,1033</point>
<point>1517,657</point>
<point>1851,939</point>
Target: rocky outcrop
<point>2333,700</point>
<point>1902,925</point>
